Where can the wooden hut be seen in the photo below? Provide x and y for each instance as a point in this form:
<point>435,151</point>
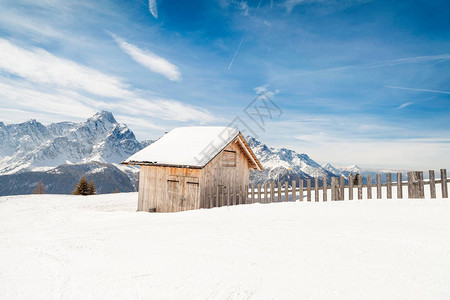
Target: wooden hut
<point>183,168</point>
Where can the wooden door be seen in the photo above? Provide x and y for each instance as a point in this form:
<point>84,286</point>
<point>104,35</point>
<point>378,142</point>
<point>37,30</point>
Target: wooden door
<point>182,193</point>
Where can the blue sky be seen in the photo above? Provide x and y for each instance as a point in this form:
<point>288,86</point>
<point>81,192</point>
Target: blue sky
<point>363,82</point>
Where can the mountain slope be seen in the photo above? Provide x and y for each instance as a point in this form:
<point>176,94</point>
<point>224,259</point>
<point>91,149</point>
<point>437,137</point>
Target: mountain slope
<point>62,179</point>
<point>32,146</point>
<point>284,165</point>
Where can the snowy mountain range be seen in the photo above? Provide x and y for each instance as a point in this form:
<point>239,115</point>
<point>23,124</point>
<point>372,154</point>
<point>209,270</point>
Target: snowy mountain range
<point>284,165</point>
<point>31,151</point>
<point>31,146</point>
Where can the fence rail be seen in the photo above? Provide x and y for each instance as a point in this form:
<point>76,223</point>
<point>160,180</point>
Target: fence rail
<point>338,190</point>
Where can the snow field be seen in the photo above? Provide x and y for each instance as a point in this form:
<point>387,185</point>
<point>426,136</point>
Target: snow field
<point>98,247</point>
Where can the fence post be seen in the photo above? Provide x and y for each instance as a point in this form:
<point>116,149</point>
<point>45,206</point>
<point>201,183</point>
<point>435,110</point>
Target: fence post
<point>432,184</point>
<point>265,193</point>
<point>308,190</point>
<point>333,188</point>
<point>378,186</point>
<point>399,186</point>
<point>279,192</point>
<point>369,186</point>
<point>294,197</point>
<point>350,187</point>
<point>259,193</point>
<point>272,192</point>
<point>444,187</point>
<point>341,191</point>
<point>286,191</point>
<point>324,185</point>
<point>360,193</point>
<point>389,185</point>
<point>316,189</point>
<point>415,185</point>
<point>300,187</point>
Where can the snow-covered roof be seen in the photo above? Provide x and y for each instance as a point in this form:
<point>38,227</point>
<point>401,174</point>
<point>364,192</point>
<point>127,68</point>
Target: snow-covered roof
<point>188,147</point>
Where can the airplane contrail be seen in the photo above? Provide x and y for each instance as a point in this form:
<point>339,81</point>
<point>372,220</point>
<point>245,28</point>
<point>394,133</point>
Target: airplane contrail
<point>235,53</point>
<point>240,43</point>
<point>419,90</point>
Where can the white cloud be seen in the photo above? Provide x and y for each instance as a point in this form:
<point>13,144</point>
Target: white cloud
<point>45,84</point>
<point>168,110</point>
<point>40,66</point>
<point>150,60</point>
<point>15,96</point>
<point>152,7</point>
<point>405,105</point>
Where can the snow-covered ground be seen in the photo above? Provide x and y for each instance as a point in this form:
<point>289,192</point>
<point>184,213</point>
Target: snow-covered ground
<point>98,247</point>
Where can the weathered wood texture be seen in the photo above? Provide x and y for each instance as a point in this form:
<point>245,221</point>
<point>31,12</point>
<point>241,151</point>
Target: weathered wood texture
<point>389,185</point>
<point>286,191</point>
<point>432,184</point>
<point>360,190</point>
<point>279,191</point>
<point>415,185</point>
<point>399,186</point>
<point>316,189</point>
<point>341,191</point>
<point>272,192</point>
<point>325,193</point>
<point>378,186</point>
<point>334,189</point>
<point>350,187</point>
<point>170,189</point>
<point>294,197</point>
<point>300,189</point>
<point>444,188</point>
<point>369,186</point>
<point>308,190</point>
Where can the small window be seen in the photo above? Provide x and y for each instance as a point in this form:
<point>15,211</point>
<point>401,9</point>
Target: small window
<point>228,158</point>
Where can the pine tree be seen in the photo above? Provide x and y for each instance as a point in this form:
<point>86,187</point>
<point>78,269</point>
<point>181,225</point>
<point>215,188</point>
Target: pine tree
<point>84,188</point>
<point>91,188</point>
<point>39,189</point>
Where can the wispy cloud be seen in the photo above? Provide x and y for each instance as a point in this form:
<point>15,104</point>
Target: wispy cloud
<point>406,104</point>
<point>168,110</point>
<point>19,96</point>
<point>149,60</point>
<point>387,63</point>
<point>152,7</point>
<point>328,5</point>
<point>40,66</point>
<point>43,82</point>
<point>419,90</point>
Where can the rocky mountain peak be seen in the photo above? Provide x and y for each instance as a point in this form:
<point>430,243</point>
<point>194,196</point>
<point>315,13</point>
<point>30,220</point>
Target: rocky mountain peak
<point>104,117</point>
<point>31,145</point>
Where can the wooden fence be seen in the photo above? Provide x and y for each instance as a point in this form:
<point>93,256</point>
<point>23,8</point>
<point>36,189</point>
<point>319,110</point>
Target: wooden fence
<point>340,188</point>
